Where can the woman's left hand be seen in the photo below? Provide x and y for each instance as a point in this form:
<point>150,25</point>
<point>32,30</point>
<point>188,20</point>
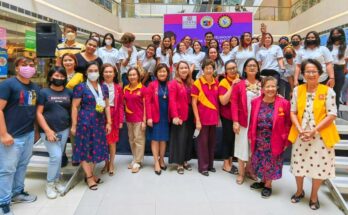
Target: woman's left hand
<point>108,128</point>
<point>308,135</point>
<point>331,83</point>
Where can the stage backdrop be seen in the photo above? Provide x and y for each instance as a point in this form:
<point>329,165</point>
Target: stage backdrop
<point>223,25</point>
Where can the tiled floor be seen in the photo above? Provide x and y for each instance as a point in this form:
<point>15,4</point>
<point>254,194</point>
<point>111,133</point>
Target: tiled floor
<point>189,194</point>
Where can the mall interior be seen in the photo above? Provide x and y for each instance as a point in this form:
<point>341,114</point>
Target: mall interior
<point>146,193</point>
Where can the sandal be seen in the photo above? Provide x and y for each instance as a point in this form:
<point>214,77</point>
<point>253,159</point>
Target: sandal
<point>92,186</point>
<point>314,205</point>
<point>111,171</point>
<point>105,169</point>
<point>240,179</point>
<point>180,170</point>
<point>296,199</point>
<point>188,167</point>
<point>98,180</point>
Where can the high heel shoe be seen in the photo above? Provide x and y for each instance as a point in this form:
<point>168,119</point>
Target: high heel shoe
<point>296,199</point>
<point>314,205</point>
<point>158,172</point>
<point>91,186</point>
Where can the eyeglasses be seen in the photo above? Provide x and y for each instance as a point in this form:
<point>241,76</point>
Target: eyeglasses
<point>252,65</point>
<point>311,72</point>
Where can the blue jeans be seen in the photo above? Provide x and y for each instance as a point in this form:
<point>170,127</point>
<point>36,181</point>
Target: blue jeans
<point>14,160</point>
<point>124,79</point>
<point>55,151</point>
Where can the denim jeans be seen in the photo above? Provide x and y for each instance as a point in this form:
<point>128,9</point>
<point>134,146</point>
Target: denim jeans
<point>14,160</point>
<point>55,151</point>
<point>124,79</point>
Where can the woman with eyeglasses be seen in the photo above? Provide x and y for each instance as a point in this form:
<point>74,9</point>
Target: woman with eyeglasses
<point>313,132</point>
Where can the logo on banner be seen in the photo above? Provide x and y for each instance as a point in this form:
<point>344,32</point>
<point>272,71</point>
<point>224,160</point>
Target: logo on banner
<point>207,22</point>
<point>225,21</point>
<point>189,22</point>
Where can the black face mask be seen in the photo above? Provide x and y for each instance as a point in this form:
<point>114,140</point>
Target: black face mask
<point>288,55</point>
<point>311,42</point>
<point>295,43</point>
<point>58,82</point>
<point>156,42</point>
<point>282,46</point>
<point>336,38</point>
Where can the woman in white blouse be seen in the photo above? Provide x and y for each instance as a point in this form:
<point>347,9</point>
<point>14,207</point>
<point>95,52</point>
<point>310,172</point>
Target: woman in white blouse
<point>147,64</point>
<point>164,54</point>
<point>108,52</point>
<point>197,58</point>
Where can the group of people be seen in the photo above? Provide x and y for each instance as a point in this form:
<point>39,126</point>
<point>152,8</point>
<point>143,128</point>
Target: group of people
<point>177,97</point>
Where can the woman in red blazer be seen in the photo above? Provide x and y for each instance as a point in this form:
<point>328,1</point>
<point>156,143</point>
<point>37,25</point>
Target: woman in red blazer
<point>268,134</point>
<point>157,115</point>
<point>109,77</point>
<point>242,94</point>
<point>181,115</point>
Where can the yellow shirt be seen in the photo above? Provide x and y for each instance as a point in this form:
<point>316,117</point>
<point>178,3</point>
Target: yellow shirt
<point>63,48</point>
<point>75,80</point>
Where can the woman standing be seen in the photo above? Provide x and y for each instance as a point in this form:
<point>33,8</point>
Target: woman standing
<point>127,55</point>
<point>313,132</point>
<point>90,109</point>
<point>197,58</point>
<point>164,54</point>
<point>84,58</point>
<point>53,116</point>
<point>108,52</point>
<point>182,55</point>
<point>69,62</point>
<point>234,42</point>
<point>147,64</point>
<point>339,52</point>
<point>242,94</point>
<point>158,116</point>
<point>268,135</point>
<point>313,50</point>
<point>225,92</point>
<point>287,79</point>
<point>205,107</point>
<point>134,100</point>
<point>226,53</point>
<point>181,130</point>
<point>214,55</point>
<point>109,78</point>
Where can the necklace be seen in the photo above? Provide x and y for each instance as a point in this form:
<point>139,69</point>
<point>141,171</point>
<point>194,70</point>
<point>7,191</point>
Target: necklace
<point>255,88</point>
<point>164,91</point>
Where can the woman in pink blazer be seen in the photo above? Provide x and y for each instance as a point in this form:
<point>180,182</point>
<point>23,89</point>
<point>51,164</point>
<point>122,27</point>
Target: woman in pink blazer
<point>157,115</point>
<point>268,134</point>
<point>109,77</point>
<point>242,94</point>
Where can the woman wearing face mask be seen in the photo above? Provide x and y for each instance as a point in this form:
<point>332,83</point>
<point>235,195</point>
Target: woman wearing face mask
<point>91,122</point>
<point>147,64</point>
<point>164,54</point>
<point>296,42</point>
<point>108,52</point>
<point>313,50</point>
<point>109,77</point>
<point>214,55</point>
<point>53,116</point>
<point>268,135</point>
<point>246,48</point>
<point>197,58</point>
<point>18,96</point>
<point>84,58</point>
<point>339,52</point>
<point>205,105</point>
<point>181,115</point>
<point>158,116</point>
<point>228,136</point>
<point>287,79</point>
<point>182,55</point>
<point>74,78</point>
<point>135,107</point>
<point>127,55</point>
<point>242,94</point>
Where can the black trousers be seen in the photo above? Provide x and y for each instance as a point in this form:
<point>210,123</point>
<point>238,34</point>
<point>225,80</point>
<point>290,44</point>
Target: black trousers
<point>339,81</point>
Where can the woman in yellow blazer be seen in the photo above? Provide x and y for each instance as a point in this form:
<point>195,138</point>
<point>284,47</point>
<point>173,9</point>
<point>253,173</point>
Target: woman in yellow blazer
<point>69,63</point>
<point>314,134</point>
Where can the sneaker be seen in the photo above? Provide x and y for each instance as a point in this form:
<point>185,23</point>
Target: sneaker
<point>136,168</point>
<point>60,188</point>
<point>5,210</point>
<point>257,185</point>
<point>24,197</point>
<point>266,192</point>
<point>51,191</point>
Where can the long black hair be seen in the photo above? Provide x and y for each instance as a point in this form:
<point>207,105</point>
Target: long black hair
<point>112,38</point>
<point>317,39</point>
<point>258,74</point>
<point>164,49</point>
<point>343,45</point>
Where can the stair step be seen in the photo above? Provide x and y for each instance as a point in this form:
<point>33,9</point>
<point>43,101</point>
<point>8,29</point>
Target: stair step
<point>342,145</point>
<point>40,164</point>
<point>341,183</point>
<point>341,162</point>
<point>342,129</point>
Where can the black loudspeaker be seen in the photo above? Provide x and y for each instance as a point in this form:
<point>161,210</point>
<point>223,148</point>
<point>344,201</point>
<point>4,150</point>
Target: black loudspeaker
<point>48,35</point>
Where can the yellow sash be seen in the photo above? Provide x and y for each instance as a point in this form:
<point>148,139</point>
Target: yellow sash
<point>202,98</point>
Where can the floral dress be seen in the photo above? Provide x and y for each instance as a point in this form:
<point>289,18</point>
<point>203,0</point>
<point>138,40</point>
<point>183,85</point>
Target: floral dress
<point>90,139</point>
<point>265,165</point>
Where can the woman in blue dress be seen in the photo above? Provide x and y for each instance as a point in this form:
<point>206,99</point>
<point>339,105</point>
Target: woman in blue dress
<point>90,109</point>
<point>157,116</point>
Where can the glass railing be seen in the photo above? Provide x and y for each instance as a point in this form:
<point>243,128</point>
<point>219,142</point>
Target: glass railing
<point>301,6</point>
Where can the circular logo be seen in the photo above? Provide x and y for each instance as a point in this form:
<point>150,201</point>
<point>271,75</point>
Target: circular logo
<point>225,21</point>
<point>207,22</point>
<point>3,61</point>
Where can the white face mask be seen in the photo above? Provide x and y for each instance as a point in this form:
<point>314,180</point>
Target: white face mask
<point>108,42</point>
<point>70,36</point>
<point>93,76</point>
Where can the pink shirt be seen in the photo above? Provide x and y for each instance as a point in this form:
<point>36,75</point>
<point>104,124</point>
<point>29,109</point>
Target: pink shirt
<point>179,100</point>
<point>134,103</point>
<point>208,104</point>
